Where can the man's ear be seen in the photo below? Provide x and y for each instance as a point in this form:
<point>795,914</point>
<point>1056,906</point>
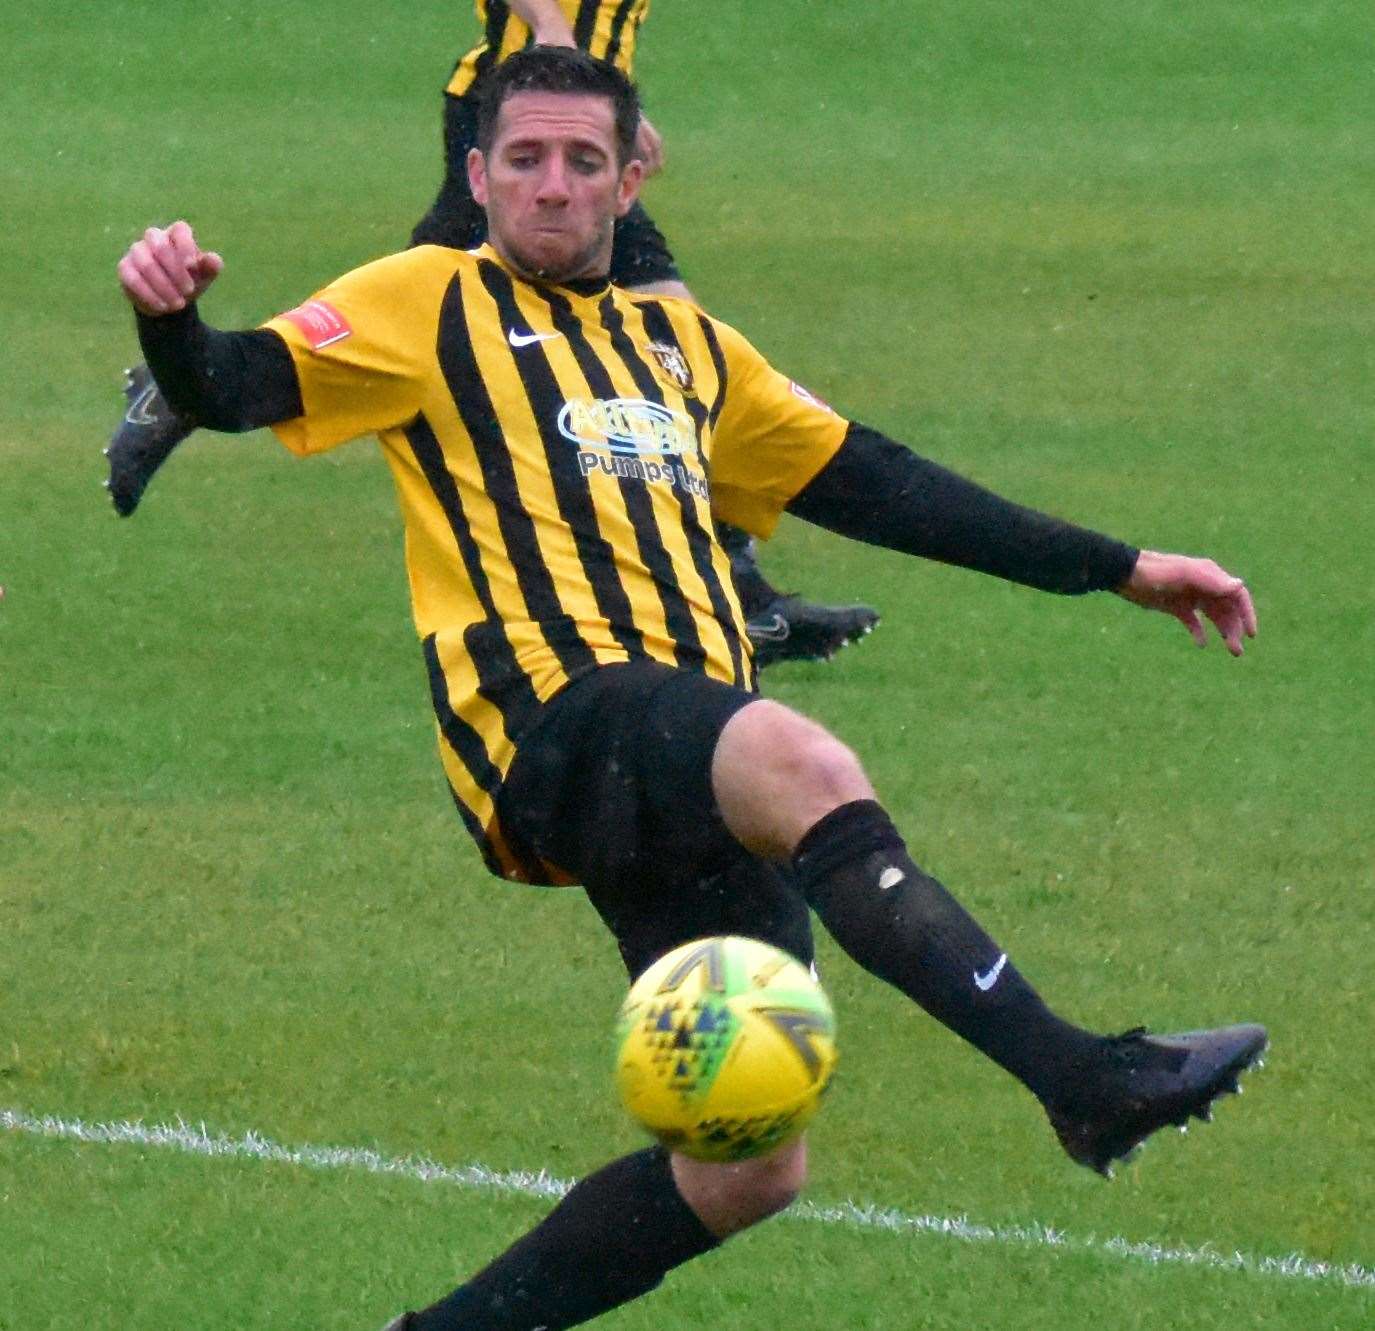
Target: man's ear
<point>632,177</point>
<point>477,175</point>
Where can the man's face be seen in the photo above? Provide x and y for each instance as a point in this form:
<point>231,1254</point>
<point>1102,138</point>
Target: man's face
<point>551,184</point>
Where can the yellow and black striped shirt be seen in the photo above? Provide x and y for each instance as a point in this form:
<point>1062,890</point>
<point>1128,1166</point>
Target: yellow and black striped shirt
<point>559,454</point>
<point>603,28</point>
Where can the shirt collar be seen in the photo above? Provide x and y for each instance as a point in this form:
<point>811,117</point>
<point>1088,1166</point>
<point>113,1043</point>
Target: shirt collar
<point>579,286</point>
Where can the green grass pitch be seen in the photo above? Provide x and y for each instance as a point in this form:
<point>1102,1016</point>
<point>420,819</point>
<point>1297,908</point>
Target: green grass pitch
<point>1113,261</point>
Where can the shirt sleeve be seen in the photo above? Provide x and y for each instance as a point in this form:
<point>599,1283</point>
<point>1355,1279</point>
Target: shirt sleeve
<point>361,347</point>
<point>772,436</point>
<point>876,490</point>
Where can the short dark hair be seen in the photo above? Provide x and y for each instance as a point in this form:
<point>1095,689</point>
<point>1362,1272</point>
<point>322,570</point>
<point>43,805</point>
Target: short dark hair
<point>559,69</point>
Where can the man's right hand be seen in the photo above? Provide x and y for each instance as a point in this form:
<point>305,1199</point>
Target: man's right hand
<point>166,271</point>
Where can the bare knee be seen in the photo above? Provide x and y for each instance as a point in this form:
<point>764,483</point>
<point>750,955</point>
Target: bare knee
<point>775,774</point>
<point>729,1198</point>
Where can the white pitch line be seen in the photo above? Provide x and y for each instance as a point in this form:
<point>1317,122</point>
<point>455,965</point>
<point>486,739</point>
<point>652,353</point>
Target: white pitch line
<point>181,1136</point>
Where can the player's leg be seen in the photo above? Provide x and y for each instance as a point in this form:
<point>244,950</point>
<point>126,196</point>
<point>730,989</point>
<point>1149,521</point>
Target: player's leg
<point>729,1198</point>
<point>613,1238</point>
<point>656,907</point>
<point>454,218</point>
<point>781,625</point>
<point>788,789</point>
<point>615,788</point>
<point>622,807</point>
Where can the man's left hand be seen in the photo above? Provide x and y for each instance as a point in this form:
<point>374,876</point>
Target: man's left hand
<point>1190,589</point>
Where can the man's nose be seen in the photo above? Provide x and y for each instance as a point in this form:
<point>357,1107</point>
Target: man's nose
<point>553,181</point>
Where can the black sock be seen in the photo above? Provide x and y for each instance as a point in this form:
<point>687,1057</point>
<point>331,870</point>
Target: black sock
<point>756,592</point>
<point>614,1237</point>
<point>903,926</point>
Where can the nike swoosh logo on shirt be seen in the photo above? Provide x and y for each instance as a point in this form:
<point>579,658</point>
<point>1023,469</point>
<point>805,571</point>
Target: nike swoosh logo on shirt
<point>527,339</point>
<point>989,978</point>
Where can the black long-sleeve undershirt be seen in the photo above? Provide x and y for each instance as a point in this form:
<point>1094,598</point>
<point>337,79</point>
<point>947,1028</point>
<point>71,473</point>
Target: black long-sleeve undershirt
<point>877,491</point>
<point>222,381</point>
<point>873,490</point>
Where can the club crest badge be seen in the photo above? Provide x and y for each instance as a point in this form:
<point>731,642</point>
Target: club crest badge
<point>674,366</point>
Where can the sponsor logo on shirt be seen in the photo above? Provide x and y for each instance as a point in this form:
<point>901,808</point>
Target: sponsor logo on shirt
<point>626,425</point>
<point>322,324</point>
<point>633,438</point>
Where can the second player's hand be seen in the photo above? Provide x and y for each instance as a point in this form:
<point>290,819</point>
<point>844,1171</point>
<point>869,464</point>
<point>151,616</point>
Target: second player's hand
<point>649,146</point>
<point>548,24</point>
<point>167,270</point>
<point>1190,590</point>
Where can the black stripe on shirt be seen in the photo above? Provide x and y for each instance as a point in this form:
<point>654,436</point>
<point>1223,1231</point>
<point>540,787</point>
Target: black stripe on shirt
<point>500,679</point>
<point>718,359</point>
<point>572,490</point>
<point>699,543</point>
<point>458,361</point>
<point>519,867</point>
<point>682,628</point>
<point>463,739</point>
<point>613,47</point>
<point>498,16</point>
<point>660,328</point>
<point>477,832</point>
<point>586,24</point>
<point>467,743</point>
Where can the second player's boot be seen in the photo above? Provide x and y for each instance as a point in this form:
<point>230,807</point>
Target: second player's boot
<point>789,628</point>
<point>782,626</point>
<point>143,440</point>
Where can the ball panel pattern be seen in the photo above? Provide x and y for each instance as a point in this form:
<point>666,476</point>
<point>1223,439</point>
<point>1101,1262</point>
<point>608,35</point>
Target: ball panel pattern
<point>724,1048</point>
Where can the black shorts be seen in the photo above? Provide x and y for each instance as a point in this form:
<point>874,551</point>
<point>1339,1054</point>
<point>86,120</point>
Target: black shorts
<point>639,252</point>
<point>613,785</point>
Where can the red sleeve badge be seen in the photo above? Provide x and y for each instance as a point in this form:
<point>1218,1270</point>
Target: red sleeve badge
<point>322,324</point>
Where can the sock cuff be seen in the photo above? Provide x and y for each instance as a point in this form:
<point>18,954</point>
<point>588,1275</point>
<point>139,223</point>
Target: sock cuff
<point>689,1236</point>
<point>614,1237</point>
<point>843,836</point>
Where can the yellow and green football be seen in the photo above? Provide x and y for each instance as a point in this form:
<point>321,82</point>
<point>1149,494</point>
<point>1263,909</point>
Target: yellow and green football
<point>724,1048</point>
